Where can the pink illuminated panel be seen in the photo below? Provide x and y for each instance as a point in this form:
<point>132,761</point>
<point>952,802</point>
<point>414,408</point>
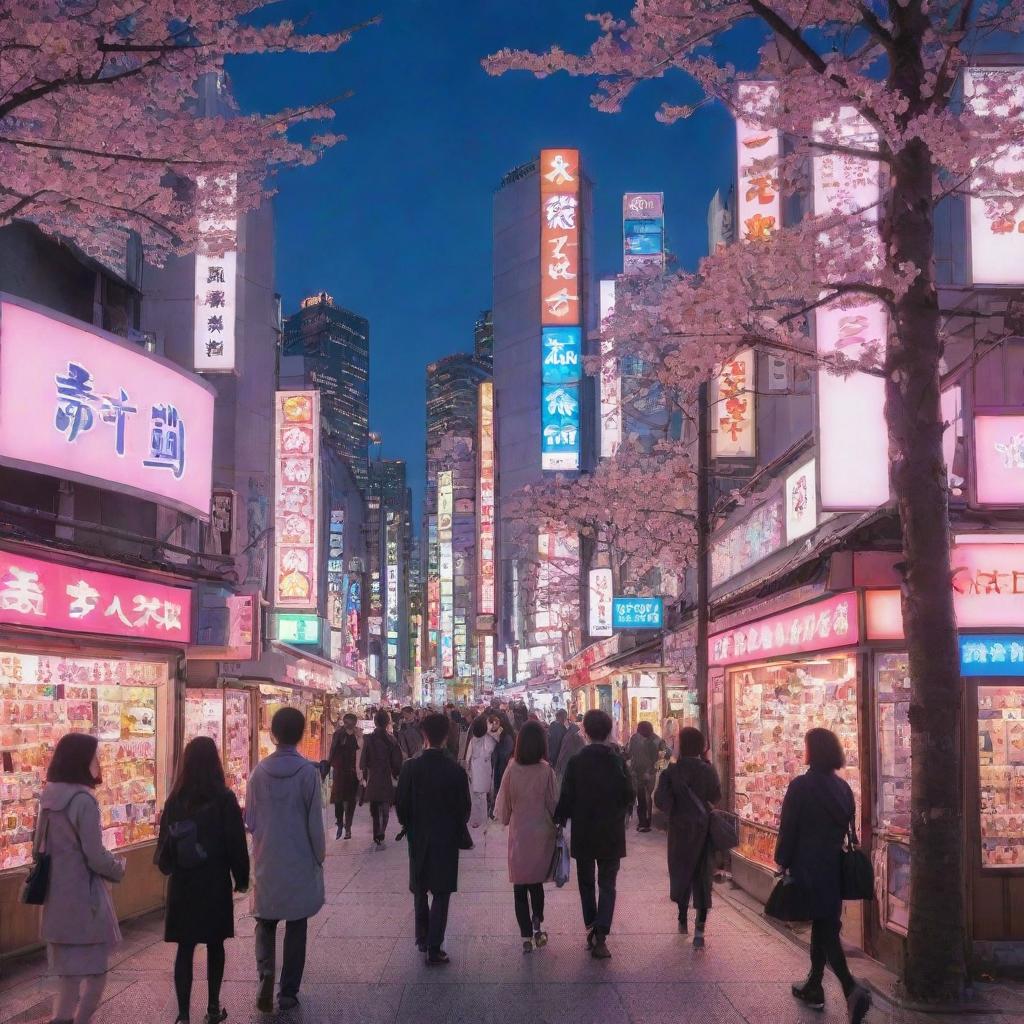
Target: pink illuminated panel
<point>79,404</point>
<point>988,583</point>
<point>47,595</point>
<point>999,458</point>
<point>757,151</point>
<point>884,614</point>
<point>821,626</point>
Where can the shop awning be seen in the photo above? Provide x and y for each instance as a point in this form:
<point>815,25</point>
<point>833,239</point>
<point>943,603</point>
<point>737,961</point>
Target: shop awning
<point>283,665</point>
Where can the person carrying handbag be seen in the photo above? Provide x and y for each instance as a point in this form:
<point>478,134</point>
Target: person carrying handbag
<point>816,819</point>
<point>685,790</point>
<point>79,925</point>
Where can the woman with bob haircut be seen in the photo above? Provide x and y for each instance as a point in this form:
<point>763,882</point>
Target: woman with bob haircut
<point>817,812</point>
<point>526,803</point>
<point>686,790</point>
<point>79,925</point>
<point>202,812</point>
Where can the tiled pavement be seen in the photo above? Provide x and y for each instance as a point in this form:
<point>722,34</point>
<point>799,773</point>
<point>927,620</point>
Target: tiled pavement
<point>362,967</point>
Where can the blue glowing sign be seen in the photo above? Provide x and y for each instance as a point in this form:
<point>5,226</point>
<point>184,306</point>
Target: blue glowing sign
<point>560,426</point>
<point>561,355</point>
<point>637,613</point>
<point>992,654</point>
<point>643,237</point>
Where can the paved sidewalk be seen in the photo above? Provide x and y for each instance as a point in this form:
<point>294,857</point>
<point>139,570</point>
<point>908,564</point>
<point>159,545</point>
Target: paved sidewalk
<point>363,968</point>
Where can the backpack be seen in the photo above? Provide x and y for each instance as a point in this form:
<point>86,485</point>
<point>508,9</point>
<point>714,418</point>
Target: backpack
<point>182,850</point>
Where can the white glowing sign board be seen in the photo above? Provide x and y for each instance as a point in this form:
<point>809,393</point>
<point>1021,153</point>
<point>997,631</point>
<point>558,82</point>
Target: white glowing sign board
<point>485,507</point>
<point>801,502</point>
<point>997,214</point>
<point>600,603</point>
<point>733,433</point>
<point>296,499</point>
<point>216,287</point>
<point>611,381</point>
<point>445,510</point>
<point>759,205</point>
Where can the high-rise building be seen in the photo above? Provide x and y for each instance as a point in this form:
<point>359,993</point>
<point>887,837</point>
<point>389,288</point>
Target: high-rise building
<point>544,404</point>
<point>483,337</point>
<point>327,347</point>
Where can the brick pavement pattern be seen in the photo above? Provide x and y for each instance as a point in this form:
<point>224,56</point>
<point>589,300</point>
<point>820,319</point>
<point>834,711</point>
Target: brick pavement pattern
<point>363,968</point>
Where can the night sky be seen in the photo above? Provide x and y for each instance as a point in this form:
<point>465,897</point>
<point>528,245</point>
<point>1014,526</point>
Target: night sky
<point>396,222</point>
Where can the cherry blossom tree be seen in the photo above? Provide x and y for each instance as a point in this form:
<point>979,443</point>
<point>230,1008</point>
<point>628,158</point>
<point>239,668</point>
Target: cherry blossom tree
<point>894,67</point>
<point>101,127</point>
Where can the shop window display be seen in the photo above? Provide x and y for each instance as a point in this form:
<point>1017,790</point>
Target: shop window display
<point>43,697</point>
<point>275,697</point>
<point>773,707</point>
<point>892,689</point>
<point>223,715</point>
<point>1001,771</point>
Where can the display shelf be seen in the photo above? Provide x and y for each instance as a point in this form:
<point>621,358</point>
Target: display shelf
<point>1001,775</point>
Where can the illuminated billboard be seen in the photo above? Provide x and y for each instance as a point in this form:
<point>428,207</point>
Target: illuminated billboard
<point>637,612</point>
<point>336,571</point>
<point>296,499</point>
<point>759,204</point>
<point>446,557</point>
<point>999,459</point>
<point>485,506</point>
<point>561,355</point>
<point>83,405</point>
<point>611,381</point>
<point>643,232</point>
<point>997,213</point>
<point>560,307</point>
<point>600,602</point>
<point>733,434</point>
<point>293,628</point>
<point>216,282</point>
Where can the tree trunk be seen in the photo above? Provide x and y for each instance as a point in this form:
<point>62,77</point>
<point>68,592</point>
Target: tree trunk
<point>934,969</point>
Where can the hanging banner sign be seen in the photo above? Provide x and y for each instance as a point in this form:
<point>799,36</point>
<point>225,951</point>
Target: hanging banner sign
<point>600,603</point>
<point>758,146</point>
<point>637,612</point>
<point>485,508</point>
<point>732,409</point>
<point>611,381</point>
<point>216,281</point>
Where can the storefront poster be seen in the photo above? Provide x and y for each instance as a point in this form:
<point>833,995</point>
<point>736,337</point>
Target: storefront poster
<point>749,542</point>
<point>1001,775</point>
<point>801,502</point>
<point>48,595</point>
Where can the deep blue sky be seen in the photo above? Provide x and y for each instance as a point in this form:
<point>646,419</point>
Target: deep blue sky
<point>396,222</point>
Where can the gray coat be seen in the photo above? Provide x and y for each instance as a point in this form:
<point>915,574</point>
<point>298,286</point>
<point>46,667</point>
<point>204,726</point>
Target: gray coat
<point>78,908</point>
<point>284,813</point>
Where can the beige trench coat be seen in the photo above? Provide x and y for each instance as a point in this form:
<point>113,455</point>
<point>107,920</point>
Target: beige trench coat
<point>526,802</point>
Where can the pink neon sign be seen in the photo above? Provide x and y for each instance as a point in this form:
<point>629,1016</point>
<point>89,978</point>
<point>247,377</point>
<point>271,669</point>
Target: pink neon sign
<point>999,455</point>
<point>833,622</point>
<point>83,405</point>
<point>988,583</point>
<point>49,595</point>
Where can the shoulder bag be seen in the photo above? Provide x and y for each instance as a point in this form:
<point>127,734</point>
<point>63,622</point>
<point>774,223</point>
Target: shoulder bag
<point>560,860</point>
<point>37,883</point>
<point>788,901</point>
<point>858,876</point>
<point>723,829</point>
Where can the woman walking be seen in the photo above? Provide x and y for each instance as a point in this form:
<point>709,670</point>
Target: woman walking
<point>79,925</point>
<point>686,790</point>
<point>817,813</point>
<point>505,738</point>
<point>202,847</point>
<point>380,763</point>
<point>526,803</point>
<point>480,768</point>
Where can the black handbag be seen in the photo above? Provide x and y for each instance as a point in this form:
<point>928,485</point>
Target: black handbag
<point>857,880</point>
<point>788,901</point>
<point>37,883</point>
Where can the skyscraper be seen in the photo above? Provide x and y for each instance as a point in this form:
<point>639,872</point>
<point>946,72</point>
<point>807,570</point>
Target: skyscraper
<point>483,337</point>
<point>328,348</point>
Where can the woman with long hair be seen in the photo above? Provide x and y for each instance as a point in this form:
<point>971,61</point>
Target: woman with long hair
<point>686,790</point>
<point>79,925</point>
<point>817,812</point>
<point>202,847</point>
<point>526,803</point>
<point>480,768</point>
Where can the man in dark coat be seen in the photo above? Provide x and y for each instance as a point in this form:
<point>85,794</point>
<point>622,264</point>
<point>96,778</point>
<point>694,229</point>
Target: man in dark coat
<point>380,763</point>
<point>556,733</point>
<point>409,734</point>
<point>433,807</point>
<point>346,746</point>
<point>596,794</point>
<point>572,743</point>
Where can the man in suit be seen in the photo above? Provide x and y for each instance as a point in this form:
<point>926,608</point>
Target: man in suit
<point>596,794</point>
<point>433,807</point>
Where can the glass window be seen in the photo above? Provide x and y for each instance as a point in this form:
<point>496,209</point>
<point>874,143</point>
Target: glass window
<point>892,692</point>
<point>1001,771</point>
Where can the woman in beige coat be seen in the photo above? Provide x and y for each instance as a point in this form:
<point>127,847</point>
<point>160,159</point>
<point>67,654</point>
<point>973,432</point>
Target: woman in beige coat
<point>526,802</point>
<point>79,925</point>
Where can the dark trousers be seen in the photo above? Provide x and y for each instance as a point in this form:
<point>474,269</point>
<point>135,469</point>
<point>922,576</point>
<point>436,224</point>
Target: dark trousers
<point>294,953</point>
<point>431,917</point>
<point>644,802</point>
<point>526,895</point>
<point>183,974</point>
<point>598,906</point>
<point>380,813</point>
<point>344,812</point>
<point>827,949</point>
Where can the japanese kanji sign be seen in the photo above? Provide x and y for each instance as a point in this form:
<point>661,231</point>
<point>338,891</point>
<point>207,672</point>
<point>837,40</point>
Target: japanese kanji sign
<point>297,484</point>
<point>485,508</point>
<point>757,151</point>
<point>988,654</point>
<point>48,595</point>
<point>732,409</point>
<point>84,405</point>
<point>216,284</point>
<point>988,582</point>
<point>637,612</point>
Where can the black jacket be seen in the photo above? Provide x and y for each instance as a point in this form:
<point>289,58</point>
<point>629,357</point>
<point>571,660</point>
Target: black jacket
<point>815,815</point>
<point>380,764</point>
<point>597,791</point>
<point>200,905</point>
<point>556,733</point>
<point>433,807</point>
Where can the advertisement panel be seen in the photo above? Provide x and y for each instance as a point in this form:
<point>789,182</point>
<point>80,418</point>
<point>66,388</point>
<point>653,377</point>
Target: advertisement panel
<point>734,434</point>
<point>801,502</point>
<point>293,628</point>
<point>561,355</point>
<point>336,570</point>
<point>445,509</point>
<point>999,459</point>
<point>611,381</point>
<point>560,301</point>
<point>485,506</point>
<point>637,612</point>
<point>992,654</point>
<point>84,405</point>
<point>296,499</point>
<point>988,581</point>
<point>42,594</point>
<point>997,214</point>
<point>353,610</point>
<point>643,232</point>
<point>600,603</point>
<point>759,204</point>
<point>216,282</point>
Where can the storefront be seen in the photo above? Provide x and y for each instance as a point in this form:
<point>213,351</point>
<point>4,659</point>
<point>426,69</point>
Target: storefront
<point>227,717</point>
<point>86,650</point>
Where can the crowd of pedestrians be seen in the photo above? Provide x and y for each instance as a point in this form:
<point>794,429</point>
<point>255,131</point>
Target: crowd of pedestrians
<point>448,775</point>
